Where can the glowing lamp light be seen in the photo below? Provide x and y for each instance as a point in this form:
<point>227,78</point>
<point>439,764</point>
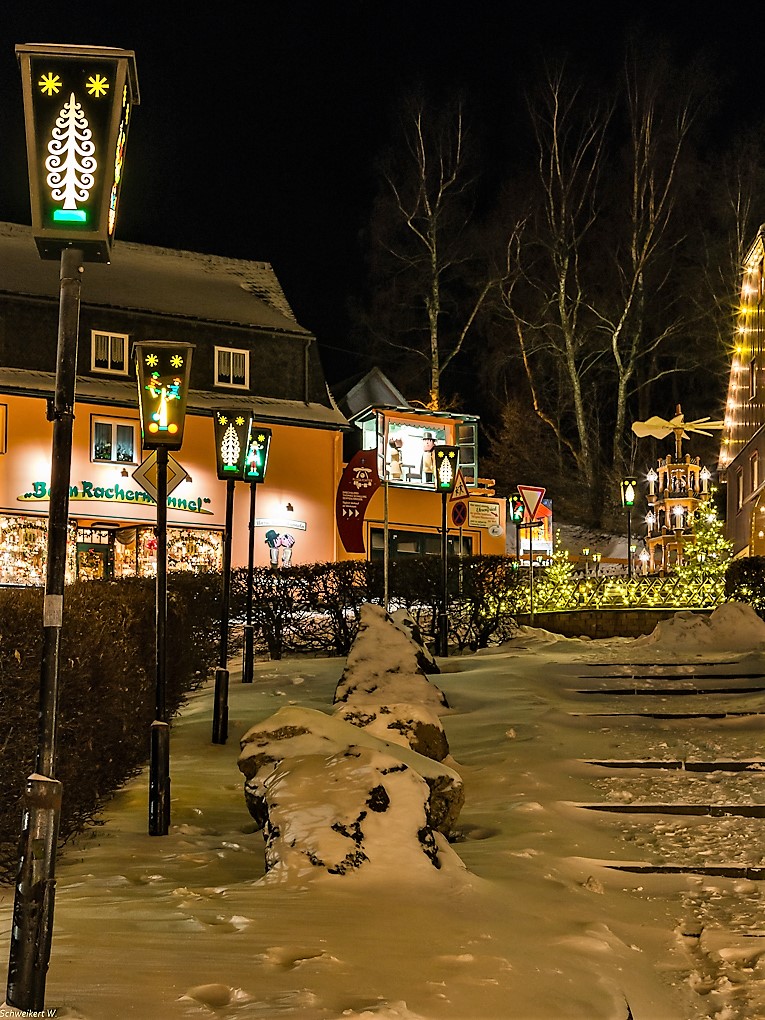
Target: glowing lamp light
<point>652,478</point>
<point>232,437</point>
<point>77,107</point>
<point>629,491</point>
<point>447,462</point>
<point>517,508</point>
<point>705,475</point>
<point>162,369</point>
<point>256,460</point>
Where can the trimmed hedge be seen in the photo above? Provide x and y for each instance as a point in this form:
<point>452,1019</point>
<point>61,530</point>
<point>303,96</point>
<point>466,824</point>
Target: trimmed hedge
<point>106,687</point>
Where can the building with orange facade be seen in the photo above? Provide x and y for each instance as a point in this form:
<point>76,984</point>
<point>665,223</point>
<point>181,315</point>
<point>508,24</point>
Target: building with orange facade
<point>251,356</point>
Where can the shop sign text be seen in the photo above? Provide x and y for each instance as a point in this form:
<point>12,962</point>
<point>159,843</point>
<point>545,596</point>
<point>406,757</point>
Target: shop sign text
<point>87,491</point>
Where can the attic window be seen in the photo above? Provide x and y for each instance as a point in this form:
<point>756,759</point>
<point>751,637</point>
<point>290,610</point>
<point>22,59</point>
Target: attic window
<point>108,352</point>
<point>232,368</point>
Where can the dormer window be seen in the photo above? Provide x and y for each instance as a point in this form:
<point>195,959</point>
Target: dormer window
<point>109,352</point>
<point>232,368</point>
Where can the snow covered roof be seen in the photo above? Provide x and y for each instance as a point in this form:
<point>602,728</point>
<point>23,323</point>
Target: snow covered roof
<point>158,280</point>
<point>123,393</point>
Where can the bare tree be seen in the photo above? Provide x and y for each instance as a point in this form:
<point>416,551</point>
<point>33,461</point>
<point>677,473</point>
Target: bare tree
<point>424,225</point>
<point>545,291</point>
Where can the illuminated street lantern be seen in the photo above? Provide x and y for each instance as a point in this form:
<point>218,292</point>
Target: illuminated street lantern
<point>77,105</point>
<point>447,462</point>
<point>256,461</point>
<point>232,441</point>
<point>629,495</point>
<point>629,491</point>
<point>163,368</point>
<point>517,507</point>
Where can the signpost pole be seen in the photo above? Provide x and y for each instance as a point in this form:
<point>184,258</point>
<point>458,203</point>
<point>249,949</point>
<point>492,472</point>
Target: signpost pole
<point>220,703</point>
<point>443,619</point>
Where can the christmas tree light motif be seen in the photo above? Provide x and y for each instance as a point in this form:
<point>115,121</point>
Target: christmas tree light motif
<point>446,471</point>
<point>71,163</point>
<point>230,449</point>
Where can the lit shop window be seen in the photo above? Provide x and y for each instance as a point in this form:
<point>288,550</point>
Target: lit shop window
<point>113,440</point>
<point>109,353</point>
<point>754,470</point>
<point>232,368</point>
<point>3,428</point>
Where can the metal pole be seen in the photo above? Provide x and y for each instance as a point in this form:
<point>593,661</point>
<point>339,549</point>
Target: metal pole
<point>159,746</point>
<point>629,544</point>
<point>531,573</point>
<point>220,704</point>
<point>249,629</point>
<point>443,618</point>
<point>386,550</point>
<point>32,927</point>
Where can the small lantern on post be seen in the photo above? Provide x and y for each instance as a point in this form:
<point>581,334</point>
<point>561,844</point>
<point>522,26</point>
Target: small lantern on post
<point>256,465</point>
<point>447,463</point>
<point>517,509</point>
<point>652,478</point>
<point>163,369</point>
<point>77,104</point>
<point>629,494</point>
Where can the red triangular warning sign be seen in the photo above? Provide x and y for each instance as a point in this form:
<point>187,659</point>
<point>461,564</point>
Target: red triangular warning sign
<point>532,497</point>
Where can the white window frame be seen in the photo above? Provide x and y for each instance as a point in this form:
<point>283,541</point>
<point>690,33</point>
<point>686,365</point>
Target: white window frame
<point>232,351</point>
<point>94,335</point>
<point>105,419</point>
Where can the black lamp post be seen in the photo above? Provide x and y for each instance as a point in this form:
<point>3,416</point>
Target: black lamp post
<point>447,462</point>
<point>162,368</point>
<point>517,509</point>
<point>232,432</point>
<point>77,105</point>
<point>629,492</point>
<point>254,471</point>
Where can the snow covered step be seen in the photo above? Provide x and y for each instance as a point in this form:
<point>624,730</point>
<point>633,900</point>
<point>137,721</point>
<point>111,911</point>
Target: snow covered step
<point>754,764</point>
<point>666,691</point>
<point>711,810</point>
<point>663,715</point>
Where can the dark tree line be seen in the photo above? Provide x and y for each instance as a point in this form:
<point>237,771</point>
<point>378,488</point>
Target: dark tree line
<point>587,285</point>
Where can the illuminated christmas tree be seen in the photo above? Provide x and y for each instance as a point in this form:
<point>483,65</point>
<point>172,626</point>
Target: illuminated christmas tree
<point>707,554</point>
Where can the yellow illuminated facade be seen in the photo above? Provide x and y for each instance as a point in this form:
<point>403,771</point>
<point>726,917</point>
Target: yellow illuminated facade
<point>743,441</point>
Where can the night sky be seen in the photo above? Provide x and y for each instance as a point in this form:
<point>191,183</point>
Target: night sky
<point>260,123</point>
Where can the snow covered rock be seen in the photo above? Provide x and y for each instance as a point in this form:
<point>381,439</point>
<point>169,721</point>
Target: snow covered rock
<point>414,726</point>
<point>383,668</point>
<point>329,795</point>
<point>425,658</point>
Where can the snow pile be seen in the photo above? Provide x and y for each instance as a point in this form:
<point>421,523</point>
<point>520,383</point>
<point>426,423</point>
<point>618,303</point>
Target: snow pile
<point>364,787</point>
<point>733,626</point>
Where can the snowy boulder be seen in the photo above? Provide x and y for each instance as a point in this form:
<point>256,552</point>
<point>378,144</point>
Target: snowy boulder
<point>359,810</point>
<point>382,666</point>
<point>293,734</point>
<point>425,658</point>
<point>733,626</point>
<point>414,726</point>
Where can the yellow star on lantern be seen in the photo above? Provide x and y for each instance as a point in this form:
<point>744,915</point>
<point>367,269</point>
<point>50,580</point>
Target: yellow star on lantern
<point>223,419</point>
<point>240,420</point>
<point>50,83</point>
<point>176,361</point>
<point>151,360</point>
<point>97,85</point>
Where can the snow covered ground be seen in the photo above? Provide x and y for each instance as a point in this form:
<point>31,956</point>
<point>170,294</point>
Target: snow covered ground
<point>535,921</point>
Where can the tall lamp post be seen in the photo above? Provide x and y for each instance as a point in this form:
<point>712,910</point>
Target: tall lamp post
<point>162,369</point>
<point>447,462</point>
<point>255,472</point>
<point>629,491</point>
<point>517,509</point>
<point>77,105</point>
